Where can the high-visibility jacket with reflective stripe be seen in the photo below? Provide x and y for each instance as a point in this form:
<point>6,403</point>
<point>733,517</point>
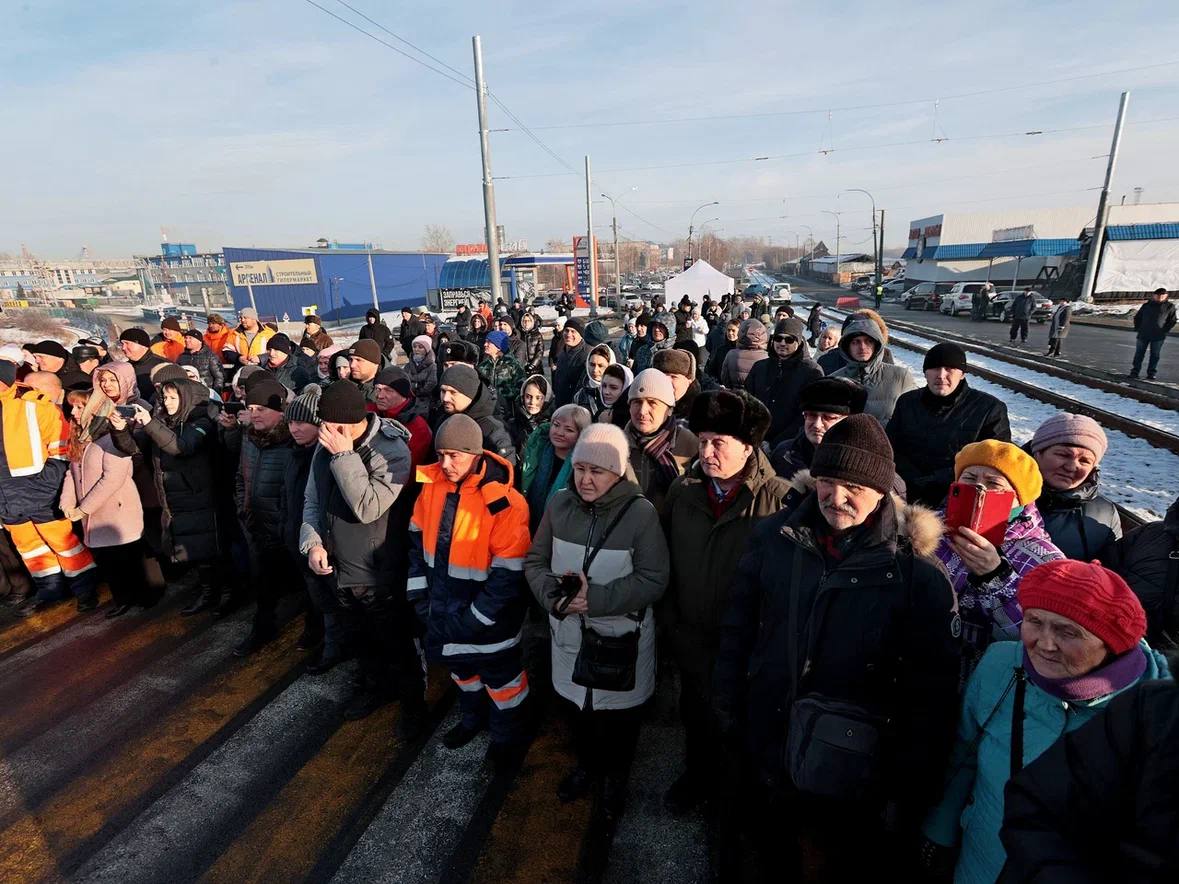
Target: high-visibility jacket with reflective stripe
<point>252,347</point>
<point>34,436</point>
<point>466,561</point>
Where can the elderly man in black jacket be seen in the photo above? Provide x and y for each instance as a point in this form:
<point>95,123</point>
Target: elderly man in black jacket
<point>1153,322</point>
<point>777,382</point>
<point>841,623</point>
<point>931,425</point>
<point>261,506</point>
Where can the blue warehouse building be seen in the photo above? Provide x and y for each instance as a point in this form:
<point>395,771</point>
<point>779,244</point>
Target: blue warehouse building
<point>336,281</point>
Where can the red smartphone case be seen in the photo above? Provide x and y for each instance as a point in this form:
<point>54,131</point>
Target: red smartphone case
<point>973,507</point>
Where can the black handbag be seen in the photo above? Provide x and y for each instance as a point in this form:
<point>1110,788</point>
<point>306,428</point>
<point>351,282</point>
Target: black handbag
<point>607,662</point>
<point>834,749</point>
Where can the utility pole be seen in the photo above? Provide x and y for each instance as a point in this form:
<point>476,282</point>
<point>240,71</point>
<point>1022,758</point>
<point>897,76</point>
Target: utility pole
<point>692,222</point>
<point>836,214</point>
<point>880,251</point>
<point>1095,244</point>
<point>589,240</point>
<point>488,187</point>
<point>617,271</point>
<point>372,282</point>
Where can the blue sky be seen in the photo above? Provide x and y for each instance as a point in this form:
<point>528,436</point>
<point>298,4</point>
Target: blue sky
<point>270,123</point>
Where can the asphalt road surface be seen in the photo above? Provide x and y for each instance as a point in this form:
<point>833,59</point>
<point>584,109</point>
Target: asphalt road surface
<point>1106,348</point>
<point>141,750</point>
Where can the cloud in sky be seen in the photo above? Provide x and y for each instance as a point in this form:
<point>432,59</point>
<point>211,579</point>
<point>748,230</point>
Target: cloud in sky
<point>270,123</point>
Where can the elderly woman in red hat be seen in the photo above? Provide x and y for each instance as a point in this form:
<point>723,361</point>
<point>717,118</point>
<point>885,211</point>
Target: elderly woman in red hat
<point>1081,644</point>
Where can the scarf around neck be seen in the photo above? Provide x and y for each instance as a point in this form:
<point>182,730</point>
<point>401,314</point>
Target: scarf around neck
<point>658,446</point>
<point>1116,675</point>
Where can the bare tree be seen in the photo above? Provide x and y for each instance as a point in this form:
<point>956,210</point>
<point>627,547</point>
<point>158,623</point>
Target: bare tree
<point>437,238</point>
<point>558,245</point>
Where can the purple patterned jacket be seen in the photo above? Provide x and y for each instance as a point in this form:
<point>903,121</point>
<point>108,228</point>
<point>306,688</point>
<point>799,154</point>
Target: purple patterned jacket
<point>989,610</point>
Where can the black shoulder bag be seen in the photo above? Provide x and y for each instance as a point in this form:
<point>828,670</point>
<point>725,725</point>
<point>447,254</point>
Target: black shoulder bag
<point>607,662</point>
<point>834,749</point>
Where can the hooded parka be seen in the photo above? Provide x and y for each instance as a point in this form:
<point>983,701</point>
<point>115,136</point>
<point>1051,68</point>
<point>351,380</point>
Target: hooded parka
<point>884,383</point>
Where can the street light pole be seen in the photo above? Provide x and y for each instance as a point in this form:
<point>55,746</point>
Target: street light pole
<point>811,232</point>
<point>1099,224</point>
<point>838,280</point>
<point>692,222</point>
<point>589,241</point>
<point>617,272</point>
<point>875,248</point>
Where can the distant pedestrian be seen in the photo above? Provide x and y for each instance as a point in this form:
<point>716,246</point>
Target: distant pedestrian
<point>1058,326</point>
<point>1021,310</point>
<point>1153,321</point>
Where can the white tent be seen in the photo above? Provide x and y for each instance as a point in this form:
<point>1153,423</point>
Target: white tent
<point>697,281</point>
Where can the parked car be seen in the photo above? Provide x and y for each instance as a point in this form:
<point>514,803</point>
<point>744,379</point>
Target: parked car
<point>896,286</point>
<point>923,296</point>
<point>1001,306</point>
<point>960,299</point>
<point>780,293</point>
<point>861,283</point>
<point>754,289</point>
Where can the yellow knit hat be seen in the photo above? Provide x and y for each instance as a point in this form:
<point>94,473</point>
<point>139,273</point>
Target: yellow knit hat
<point>1020,469</point>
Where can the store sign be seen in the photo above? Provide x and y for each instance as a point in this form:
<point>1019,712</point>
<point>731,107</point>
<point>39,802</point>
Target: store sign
<point>452,299</point>
<point>581,264</point>
<point>471,248</point>
<point>1014,234</point>
<point>298,271</point>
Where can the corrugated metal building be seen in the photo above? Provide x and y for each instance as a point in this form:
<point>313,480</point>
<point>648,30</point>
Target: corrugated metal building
<point>337,283</point>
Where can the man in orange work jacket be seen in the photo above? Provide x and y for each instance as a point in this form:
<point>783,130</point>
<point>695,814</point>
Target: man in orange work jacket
<point>468,538</point>
<point>33,463</point>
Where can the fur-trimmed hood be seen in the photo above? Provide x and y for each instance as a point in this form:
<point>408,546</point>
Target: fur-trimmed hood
<point>920,526</point>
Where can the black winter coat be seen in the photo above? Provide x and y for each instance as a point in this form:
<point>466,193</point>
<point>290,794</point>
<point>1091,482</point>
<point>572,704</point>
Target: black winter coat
<point>926,432</point>
<point>1154,320</point>
<point>182,455</point>
<point>296,373</point>
<point>532,351</point>
<point>777,383</point>
<point>1100,805</point>
<point>377,331</point>
<point>876,629</point>
<point>569,373</point>
<point>1148,560</point>
<point>208,365</point>
<point>410,329</point>
<point>143,367</point>
<point>1082,523</point>
<point>495,435</point>
<point>294,490</point>
<point>792,456</point>
<point>260,486</point>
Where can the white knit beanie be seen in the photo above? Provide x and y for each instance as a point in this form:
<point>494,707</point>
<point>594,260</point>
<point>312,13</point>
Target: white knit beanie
<point>651,383</point>
<point>602,445</point>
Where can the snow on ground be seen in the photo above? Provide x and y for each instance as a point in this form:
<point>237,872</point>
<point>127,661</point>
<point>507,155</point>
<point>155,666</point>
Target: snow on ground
<point>1135,474</point>
<point>1151,415</point>
<point>1124,311</point>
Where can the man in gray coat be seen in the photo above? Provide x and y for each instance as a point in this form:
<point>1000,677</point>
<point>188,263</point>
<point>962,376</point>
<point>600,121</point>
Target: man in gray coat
<point>357,505</point>
<point>862,345</point>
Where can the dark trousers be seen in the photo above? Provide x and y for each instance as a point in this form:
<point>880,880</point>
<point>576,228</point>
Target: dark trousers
<point>1054,346</point>
<point>1156,350</point>
<point>122,569</point>
<point>604,739</point>
<point>324,608</point>
<point>702,744</point>
<point>273,574</point>
<point>1019,326</point>
<point>492,693</point>
<point>382,622</point>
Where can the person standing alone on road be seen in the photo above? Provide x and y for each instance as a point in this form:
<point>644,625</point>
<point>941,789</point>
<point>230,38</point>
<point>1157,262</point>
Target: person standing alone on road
<point>1153,321</point>
<point>1021,311</point>
<point>1062,318</point>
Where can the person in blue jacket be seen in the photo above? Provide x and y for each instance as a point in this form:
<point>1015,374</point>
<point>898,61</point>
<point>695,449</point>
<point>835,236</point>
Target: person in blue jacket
<point>1081,644</point>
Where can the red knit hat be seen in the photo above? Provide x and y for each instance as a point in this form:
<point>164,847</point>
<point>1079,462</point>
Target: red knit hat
<point>1093,596</point>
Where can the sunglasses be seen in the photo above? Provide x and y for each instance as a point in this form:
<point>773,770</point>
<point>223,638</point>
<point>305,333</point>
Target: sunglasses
<point>785,339</point>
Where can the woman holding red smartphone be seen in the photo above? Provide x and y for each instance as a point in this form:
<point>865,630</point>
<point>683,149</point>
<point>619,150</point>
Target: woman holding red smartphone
<point>986,575</point>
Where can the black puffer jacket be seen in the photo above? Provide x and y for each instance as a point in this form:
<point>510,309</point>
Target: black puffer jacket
<point>1154,320</point>
<point>1081,522</point>
<point>182,455</point>
<point>569,373</point>
<point>143,367</point>
<point>208,365</point>
<point>778,383</point>
<point>377,331</point>
<point>260,490</point>
<point>296,373</point>
<point>533,350</point>
<point>792,456</point>
<point>495,435</point>
<point>927,431</point>
<point>1148,559</point>
<point>1100,805</point>
<point>876,628</point>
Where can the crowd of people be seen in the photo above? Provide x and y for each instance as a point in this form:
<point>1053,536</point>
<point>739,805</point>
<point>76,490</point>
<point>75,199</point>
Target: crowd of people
<point>757,501</point>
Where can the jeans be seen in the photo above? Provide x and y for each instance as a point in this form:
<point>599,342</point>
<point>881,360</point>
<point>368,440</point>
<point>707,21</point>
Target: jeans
<point>322,595</point>
<point>1156,350</point>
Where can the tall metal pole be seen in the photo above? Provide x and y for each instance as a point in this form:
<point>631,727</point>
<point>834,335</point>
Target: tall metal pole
<point>1095,244</point>
<point>589,240</point>
<point>617,271</point>
<point>488,187</point>
<point>875,249</point>
<point>692,222</point>
<point>372,281</point>
<point>880,251</point>
<point>838,280</point>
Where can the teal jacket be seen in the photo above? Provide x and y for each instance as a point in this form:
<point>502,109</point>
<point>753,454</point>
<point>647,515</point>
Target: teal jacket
<point>538,460</point>
<point>971,809</point>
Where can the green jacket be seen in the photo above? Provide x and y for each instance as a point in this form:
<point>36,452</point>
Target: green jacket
<point>504,376</point>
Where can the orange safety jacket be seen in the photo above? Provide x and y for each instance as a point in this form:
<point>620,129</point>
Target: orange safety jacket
<point>466,560</point>
<point>255,347</point>
<point>34,431</point>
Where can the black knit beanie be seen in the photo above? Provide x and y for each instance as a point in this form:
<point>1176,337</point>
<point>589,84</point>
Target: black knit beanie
<point>341,403</point>
<point>268,393</point>
<point>136,336</point>
<point>945,355</point>
<point>396,379</point>
<point>856,450</point>
<point>462,377</point>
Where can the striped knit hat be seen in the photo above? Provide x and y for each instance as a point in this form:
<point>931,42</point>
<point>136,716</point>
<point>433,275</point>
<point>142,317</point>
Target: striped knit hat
<point>305,407</point>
